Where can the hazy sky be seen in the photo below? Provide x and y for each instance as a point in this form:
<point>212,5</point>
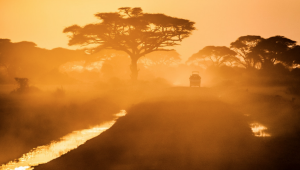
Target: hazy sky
<point>218,22</point>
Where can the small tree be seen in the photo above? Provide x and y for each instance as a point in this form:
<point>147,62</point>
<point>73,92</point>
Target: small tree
<point>132,31</point>
<point>23,85</point>
<point>217,55</point>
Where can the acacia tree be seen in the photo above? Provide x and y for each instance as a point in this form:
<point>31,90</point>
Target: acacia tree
<point>243,46</point>
<point>277,49</point>
<point>217,55</point>
<point>132,31</point>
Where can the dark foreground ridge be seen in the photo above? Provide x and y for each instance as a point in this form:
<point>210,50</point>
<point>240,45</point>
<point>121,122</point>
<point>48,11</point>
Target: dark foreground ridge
<point>170,135</point>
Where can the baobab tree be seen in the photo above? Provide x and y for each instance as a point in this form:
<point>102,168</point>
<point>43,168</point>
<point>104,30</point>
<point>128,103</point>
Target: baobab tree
<point>132,31</point>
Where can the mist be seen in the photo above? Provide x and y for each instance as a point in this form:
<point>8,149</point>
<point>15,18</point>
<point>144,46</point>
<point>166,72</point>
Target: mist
<point>170,124</point>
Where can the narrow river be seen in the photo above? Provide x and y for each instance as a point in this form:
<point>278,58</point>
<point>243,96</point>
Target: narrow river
<point>46,153</point>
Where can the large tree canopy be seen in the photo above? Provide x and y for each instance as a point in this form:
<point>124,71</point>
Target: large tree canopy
<point>243,46</point>
<point>277,49</point>
<point>217,55</point>
<point>132,31</point>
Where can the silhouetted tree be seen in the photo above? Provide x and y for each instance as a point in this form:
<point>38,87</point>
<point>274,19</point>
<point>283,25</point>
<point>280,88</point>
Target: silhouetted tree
<point>243,46</point>
<point>132,31</point>
<point>294,55</point>
<point>24,86</point>
<point>23,82</point>
<point>11,55</point>
<point>274,50</point>
<point>4,43</point>
<point>217,55</point>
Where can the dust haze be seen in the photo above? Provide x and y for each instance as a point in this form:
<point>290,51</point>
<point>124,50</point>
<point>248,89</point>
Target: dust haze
<point>46,94</point>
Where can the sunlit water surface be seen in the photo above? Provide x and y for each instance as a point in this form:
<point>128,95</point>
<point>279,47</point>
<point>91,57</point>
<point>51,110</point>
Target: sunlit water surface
<point>46,153</point>
<point>259,130</point>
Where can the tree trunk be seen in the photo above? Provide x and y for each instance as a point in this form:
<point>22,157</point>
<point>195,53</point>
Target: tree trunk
<point>134,69</point>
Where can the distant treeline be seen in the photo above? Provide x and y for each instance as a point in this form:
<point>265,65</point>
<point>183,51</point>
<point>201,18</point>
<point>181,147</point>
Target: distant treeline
<point>25,59</point>
<point>252,60</point>
<point>274,59</point>
<point>251,52</point>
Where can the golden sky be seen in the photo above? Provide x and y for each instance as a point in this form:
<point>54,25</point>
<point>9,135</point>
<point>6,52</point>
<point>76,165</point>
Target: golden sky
<point>218,22</point>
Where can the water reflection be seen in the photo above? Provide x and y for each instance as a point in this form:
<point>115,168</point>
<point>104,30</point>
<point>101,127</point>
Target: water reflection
<point>23,168</point>
<point>46,153</point>
<point>259,130</point>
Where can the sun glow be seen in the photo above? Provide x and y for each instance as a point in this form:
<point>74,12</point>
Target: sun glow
<point>81,66</point>
<point>22,168</point>
<point>259,130</point>
<point>46,153</point>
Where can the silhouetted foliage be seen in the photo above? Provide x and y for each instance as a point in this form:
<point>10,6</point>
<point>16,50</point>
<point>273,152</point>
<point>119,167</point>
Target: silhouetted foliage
<point>216,55</point>
<point>25,59</point>
<point>243,46</point>
<point>23,82</point>
<point>23,86</point>
<point>132,31</point>
<point>274,50</point>
<point>11,55</point>
<point>294,55</point>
